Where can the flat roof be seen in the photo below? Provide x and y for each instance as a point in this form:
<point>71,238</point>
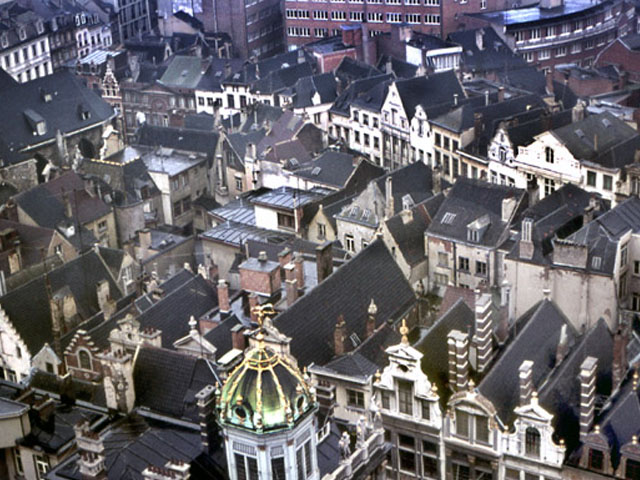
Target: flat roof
<point>518,16</point>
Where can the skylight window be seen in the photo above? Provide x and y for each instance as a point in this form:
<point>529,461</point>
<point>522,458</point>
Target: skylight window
<point>596,263</point>
<point>448,218</point>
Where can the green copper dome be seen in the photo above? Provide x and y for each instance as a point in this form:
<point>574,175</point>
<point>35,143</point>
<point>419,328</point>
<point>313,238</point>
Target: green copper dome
<point>265,392</point>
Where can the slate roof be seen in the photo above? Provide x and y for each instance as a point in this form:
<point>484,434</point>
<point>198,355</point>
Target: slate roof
<point>220,336</point>
<point>536,340</point>
<point>592,138</point>
<point>362,89</point>
<point>351,69</point>
<point>494,54</point>
<point>470,200</point>
<point>409,236</point>
<point>305,89</point>
<point>189,140</point>
<point>559,214</point>
<point>166,381</point>
<point>278,80</point>
<point>311,320</point>
<point>433,345</point>
<point>524,133</point>
<point>75,388</point>
<point>54,435</point>
<point>397,67</point>
<point>330,168</point>
<point>602,234</point>
<point>435,89</point>
<point>32,241</point>
<point>28,306</point>
<point>352,364</point>
<point>235,234</point>
<point>72,107</point>
<point>134,443</point>
<point>560,394</point>
<point>171,314</point>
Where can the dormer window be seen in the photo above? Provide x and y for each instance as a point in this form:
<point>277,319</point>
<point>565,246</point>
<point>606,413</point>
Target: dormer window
<point>39,27</point>
<point>4,40</point>
<point>596,459</point>
<point>532,442</point>
<point>632,469</point>
<point>472,235</point>
<point>22,33</point>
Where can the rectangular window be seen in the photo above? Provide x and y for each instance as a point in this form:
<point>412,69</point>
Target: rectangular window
<point>481,268</point>
<point>277,468</point>
<point>443,259</point>
<point>286,220</point>
<point>636,267</point>
<point>42,465</point>
<point>426,410</point>
<point>591,178</point>
<point>17,460</point>
<point>405,397</point>
<point>386,400</point>
<point>355,398</point>
<point>482,429</point>
<point>407,460</point>
<point>462,424</point>
<point>349,243</point>
<point>463,264</point>
<point>607,182</point>
<point>596,459</point>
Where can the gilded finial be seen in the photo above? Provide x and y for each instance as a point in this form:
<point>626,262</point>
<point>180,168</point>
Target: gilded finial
<point>472,385</point>
<point>378,375</point>
<point>373,308</point>
<point>634,439</point>
<point>404,331</point>
<point>262,311</point>
<point>635,379</point>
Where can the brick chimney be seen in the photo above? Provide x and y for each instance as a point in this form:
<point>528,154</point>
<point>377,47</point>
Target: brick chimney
<point>238,339</point>
<point>549,79</point>
<point>206,400</point>
<point>339,336</point>
<point>144,238</point>
<point>436,179</point>
<point>223,296</point>
<point>173,470</point>
<point>324,260</point>
<point>298,262</point>
<point>260,275</point>
<point>291,284</point>
<point>284,257</point>
<point>483,330</point>
<point>458,348</point>
<point>526,381</point>
<point>372,311</point>
<point>253,302</point>
<point>588,371</point>
<point>91,452</point>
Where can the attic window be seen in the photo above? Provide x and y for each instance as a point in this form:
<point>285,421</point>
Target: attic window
<point>316,171</point>
<point>472,235</point>
<point>46,96</point>
<point>36,121</point>
<point>606,122</point>
<point>407,202</point>
<point>579,133</point>
<point>355,339</point>
<point>39,27</point>
<point>84,113</point>
<point>4,40</point>
<point>596,263</point>
<point>448,218</point>
<point>22,33</point>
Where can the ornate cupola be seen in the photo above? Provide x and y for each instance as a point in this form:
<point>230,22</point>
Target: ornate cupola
<point>266,409</point>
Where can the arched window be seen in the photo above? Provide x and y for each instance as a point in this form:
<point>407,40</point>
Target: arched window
<point>84,360</point>
<point>532,442</point>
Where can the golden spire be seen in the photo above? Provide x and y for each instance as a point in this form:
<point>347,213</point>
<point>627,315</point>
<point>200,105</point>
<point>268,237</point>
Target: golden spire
<point>404,330</point>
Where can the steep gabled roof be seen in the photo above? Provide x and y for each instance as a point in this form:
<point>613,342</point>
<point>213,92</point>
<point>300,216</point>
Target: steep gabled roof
<point>371,274</point>
<point>428,91</point>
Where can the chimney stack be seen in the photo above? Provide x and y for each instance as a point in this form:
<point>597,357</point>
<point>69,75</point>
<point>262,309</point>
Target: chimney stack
<point>205,399</point>
<point>483,330</point>
<point>436,179</point>
<point>620,342</point>
<point>238,340</point>
<point>253,302</point>
<point>68,210</point>
<point>372,311</point>
<point>508,207</point>
<point>588,371</point>
<point>144,237</point>
<point>291,284</point>
<point>91,452</point>
<point>458,348</point>
<point>549,78</point>
<point>298,263</point>
<point>526,382</point>
<point>563,345</point>
<point>339,336</point>
<point>223,296</point>
<point>526,240</point>
<point>389,206</point>
<point>324,260</point>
